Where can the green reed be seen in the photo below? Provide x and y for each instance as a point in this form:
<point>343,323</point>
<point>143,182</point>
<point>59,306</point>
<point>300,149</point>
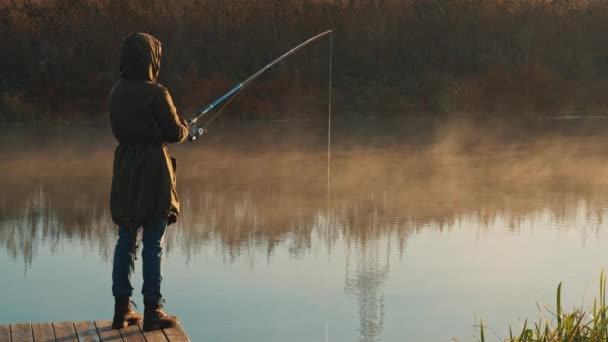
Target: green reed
<point>575,326</point>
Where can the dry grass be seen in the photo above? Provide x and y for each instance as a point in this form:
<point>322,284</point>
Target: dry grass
<point>498,58</point>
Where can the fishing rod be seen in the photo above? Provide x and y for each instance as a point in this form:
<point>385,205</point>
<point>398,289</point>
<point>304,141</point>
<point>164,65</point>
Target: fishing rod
<point>196,131</point>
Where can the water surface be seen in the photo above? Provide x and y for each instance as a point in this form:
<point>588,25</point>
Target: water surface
<point>421,231</point>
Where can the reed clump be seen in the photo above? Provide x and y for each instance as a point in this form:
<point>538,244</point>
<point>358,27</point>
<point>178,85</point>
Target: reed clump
<point>577,325</point>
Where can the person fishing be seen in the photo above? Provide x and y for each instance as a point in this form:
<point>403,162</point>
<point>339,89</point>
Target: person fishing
<point>143,194</point>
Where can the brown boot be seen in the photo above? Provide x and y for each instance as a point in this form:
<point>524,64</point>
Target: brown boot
<point>155,317</point>
<point>124,315</point>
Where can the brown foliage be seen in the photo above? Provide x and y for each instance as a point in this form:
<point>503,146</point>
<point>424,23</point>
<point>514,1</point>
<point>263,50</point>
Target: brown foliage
<point>502,57</point>
<point>526,89</point>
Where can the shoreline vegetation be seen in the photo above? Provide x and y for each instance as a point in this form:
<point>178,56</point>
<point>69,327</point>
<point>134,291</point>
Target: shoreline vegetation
<point>559,325</point>
<point>480,59</point>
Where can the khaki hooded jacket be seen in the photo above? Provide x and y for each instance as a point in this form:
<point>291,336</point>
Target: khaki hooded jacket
<point>144,121</point>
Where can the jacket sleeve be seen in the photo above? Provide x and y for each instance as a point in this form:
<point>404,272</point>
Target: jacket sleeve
<point>173,129</point>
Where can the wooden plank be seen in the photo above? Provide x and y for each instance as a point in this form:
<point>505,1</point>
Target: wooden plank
<point>176,334</point>
<point>5,333</point>
<point>106,333</point>
<point>132,334</point>
<point>65,332</point>
<point>43,332</point>
<point>86,331</point>
<point>153,336</point>
<point>22,332</point>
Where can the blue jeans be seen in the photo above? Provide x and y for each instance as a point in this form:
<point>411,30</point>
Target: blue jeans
<point>152,252</point>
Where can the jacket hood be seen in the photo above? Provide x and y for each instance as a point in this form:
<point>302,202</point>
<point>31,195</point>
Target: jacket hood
<point>140,57</point>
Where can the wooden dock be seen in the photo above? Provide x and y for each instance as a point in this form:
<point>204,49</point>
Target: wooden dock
<point>92,331</point>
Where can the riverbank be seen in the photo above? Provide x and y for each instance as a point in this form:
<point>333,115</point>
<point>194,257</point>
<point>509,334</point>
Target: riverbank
<point>284,100</point>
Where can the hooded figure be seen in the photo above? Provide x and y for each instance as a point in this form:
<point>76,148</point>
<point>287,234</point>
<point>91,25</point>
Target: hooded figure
<point>143,121</point>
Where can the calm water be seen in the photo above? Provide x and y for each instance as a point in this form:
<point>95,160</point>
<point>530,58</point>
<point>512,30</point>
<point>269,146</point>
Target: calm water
<point>420,233</point>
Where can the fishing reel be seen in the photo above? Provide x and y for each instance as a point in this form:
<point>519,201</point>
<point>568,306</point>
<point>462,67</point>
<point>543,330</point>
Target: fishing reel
<point>196,132</point>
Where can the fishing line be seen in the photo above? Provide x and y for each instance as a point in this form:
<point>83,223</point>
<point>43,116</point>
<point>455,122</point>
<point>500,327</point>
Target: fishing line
<point>331,48</point>
<point>327,211</point>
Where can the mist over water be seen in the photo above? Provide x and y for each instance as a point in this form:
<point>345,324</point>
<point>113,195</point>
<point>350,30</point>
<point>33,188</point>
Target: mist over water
<point>423,226</point>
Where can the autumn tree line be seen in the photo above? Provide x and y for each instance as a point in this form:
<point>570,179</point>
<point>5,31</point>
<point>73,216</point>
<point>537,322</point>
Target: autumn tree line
<point>480,58</point>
